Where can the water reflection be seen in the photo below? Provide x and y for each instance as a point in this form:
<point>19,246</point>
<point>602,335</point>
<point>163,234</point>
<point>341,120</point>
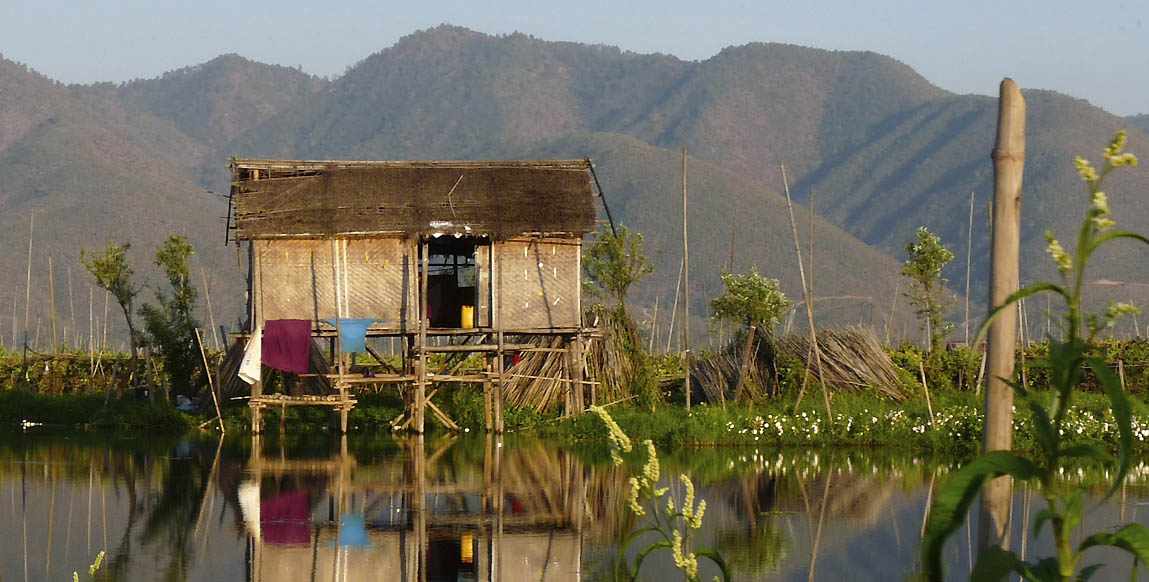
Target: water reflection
<point>319,508</point>
<point>430,513</point>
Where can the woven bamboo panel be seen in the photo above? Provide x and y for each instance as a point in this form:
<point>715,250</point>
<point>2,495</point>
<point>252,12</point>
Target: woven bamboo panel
<point>541,286</point>
<point>296,279</point>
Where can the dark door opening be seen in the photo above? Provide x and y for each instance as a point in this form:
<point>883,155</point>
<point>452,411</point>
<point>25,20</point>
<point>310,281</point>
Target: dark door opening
<point>453,281</point>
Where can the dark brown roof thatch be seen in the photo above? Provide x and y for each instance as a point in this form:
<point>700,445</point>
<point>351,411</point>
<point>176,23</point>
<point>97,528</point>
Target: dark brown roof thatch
<point>296,198</point>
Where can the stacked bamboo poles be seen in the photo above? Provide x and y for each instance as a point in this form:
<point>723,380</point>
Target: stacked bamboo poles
<point>539,379</point>
<point>613,369</point>
<point>852,360</point>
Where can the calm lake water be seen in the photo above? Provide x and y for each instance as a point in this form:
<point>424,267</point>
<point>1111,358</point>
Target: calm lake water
<point>464,508</point>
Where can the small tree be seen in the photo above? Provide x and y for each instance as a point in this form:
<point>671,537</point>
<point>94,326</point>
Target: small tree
<point>927,292</point>
<point>113,273</point>
<point>171,325</point>
<point>615,262</point>
<point>753,300</point>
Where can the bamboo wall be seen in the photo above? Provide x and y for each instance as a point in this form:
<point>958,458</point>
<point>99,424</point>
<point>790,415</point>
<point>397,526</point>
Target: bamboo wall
<point>294,280</point>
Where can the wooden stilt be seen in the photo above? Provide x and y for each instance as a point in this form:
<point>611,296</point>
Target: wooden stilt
<point>500,355</point>
<point>421,342</point>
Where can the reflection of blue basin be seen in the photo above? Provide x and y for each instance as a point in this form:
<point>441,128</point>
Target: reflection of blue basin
<point>352,531</point>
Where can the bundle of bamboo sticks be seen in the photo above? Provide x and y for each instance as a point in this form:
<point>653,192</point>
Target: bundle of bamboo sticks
<point>852,361</point>
<point>539,379</point>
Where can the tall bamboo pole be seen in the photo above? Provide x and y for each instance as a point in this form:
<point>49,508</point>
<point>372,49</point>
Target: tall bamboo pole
<point>674,308</point>
<point>968,261</point>
<point>210,313</point>
<point>653,326</point>
<point>1008,165</point>
<point>52,304</point>
<point>72,307</point>
<point>686,290</point>
<point>810,307</point>
<point>806,296</point>
<point>28,282</point>
<point>211,387</point>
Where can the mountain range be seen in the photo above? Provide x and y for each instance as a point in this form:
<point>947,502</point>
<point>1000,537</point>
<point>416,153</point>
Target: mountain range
<point>880,149</point>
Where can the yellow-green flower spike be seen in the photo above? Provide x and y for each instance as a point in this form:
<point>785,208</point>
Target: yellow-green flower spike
<point>1085,169</point>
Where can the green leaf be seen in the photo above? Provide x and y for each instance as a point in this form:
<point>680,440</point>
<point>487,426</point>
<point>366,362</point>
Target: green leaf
<point>1043,516</point>
<point>951,504</point>
<point>1088,572</point>
<point>1042,425</point>
<point>1086,450</point>
<point>994,564</point>
<point>646,552</point>
<point>1043,287</point>
<point>715,557</point>
<point>1073,510</point>
<point>1123,415</point>
<point>1133,538</point>
<point>1114,235</point>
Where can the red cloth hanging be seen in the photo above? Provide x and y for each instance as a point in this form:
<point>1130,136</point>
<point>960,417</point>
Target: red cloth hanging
<point>287,345</point>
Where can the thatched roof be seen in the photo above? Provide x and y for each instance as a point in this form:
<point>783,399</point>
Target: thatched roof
<point>301,199</point>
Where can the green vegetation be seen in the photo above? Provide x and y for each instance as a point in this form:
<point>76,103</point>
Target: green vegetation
<point>928,294</point>
<point>1053,417</point>
<point>113,273</point>
<point>614,263</point>
<point>171,326</point>
<point>750,299</point>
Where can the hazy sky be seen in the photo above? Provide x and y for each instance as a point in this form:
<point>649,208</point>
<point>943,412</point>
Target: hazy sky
<point>962,46</point>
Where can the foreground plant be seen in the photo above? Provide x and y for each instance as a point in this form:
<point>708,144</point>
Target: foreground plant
<point>674,522</point>
<point>1067,362</point>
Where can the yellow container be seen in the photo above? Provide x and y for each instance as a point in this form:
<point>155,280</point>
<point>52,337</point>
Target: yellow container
<point>468,317</point>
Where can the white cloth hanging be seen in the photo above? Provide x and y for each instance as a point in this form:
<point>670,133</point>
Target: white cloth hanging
<point>249,367</point>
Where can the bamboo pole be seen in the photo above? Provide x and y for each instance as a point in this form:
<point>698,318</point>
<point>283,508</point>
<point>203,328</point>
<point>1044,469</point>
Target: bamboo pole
<point>968,261</point>
<point>686,291</point>
<point>1009,163</point>
<point>674,309</point>
<point>810,308</point>
<point>28,282</point>
<point>210,382</point>
<point>653,326</point>
<point>52,304</point>
<point>806,296</point>
<point>210,313</point>
<point>500,360</point>
<point>893,306</point>
<point>926,389</point>
<point>72,307</point>
<point>107,301</point>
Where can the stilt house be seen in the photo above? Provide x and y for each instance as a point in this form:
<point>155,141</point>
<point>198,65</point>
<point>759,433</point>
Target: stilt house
<point>452,257</point>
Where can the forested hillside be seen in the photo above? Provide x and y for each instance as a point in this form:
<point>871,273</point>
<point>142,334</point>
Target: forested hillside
<point>883,149</point>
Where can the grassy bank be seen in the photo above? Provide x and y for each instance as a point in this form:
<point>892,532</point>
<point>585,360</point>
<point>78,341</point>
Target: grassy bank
<point>68,398</point>
<point>88,411</point>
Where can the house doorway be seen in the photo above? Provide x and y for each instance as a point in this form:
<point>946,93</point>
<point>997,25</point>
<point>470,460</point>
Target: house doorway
<point>453,280</point>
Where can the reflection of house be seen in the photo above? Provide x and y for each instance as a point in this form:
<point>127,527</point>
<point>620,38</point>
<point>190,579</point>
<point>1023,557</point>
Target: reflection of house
<point>517,513</point>
<point>482,249</point>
